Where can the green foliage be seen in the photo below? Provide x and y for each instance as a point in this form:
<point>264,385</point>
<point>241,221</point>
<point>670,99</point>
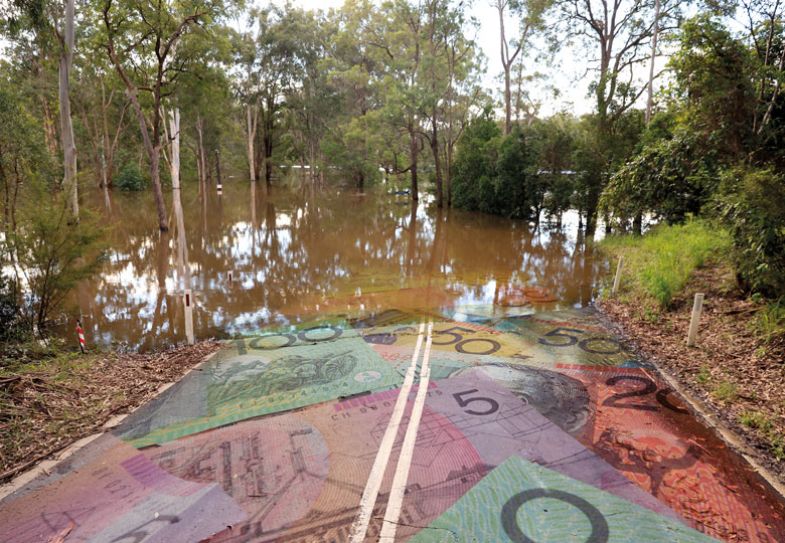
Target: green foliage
<point>770,322</point>
<point>554,142</point>
<point>496,174</point>
<point>750,202</point>
<point>755,419</point>
<point>765,427</point>
<point>725,391</point>
<point>658,264</point>
<point>51,255</point>
<point>704,375</point>
<point>710,67</point>
<point>669,178</point>
<point>11,329</point>
<point>130,178</point>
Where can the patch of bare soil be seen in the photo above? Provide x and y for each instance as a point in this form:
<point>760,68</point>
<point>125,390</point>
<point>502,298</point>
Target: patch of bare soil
<point>741,379</point>
<point>46,408</point>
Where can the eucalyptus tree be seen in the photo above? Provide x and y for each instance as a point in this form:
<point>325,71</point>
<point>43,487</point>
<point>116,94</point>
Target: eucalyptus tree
<point>143,41</point>
<point>102,111</point>
<point>615,35</point>
<point>67,42</point>
<point>311,103</point>
<point>449,60</point>
<point>268,64</point>
<point>464,96</point>
<point>356,136</point>
<point>529,16</point>
<point>395,37</point>
<point>47,19</point>
<point>765,28</point>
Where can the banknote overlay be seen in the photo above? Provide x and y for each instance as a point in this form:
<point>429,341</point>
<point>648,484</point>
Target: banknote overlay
<point>524,502</point>
<point>530,426</point>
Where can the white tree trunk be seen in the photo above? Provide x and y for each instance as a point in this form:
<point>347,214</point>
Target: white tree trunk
<point>202,158</point>
<point>251,118</point>
<point>182,250</point>
<point>66,125</point>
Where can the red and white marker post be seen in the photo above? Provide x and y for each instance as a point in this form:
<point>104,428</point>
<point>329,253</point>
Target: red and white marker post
<point>80,333</point>
<point>189,316</point>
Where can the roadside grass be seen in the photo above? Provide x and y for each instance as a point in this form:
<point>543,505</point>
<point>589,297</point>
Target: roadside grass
<point>767,430</point>
<point>658,264</point>
<point>725,391</point>
<point>704,375</point>
<point>770,322</point>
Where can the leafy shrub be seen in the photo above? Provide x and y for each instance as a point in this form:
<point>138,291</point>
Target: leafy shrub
<point>130,178</point>
<point>51,254</point>
<point>670,178</point>
<point>658,265</point>
<point>494,173</point>
<point>11,327</point>
<point>770,322</point>
<point>750,202</point>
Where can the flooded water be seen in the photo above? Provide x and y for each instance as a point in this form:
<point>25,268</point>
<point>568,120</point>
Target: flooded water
<point>259,259</point>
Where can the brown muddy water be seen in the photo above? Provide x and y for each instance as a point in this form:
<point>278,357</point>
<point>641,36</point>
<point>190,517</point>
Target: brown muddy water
<point>297,254</point>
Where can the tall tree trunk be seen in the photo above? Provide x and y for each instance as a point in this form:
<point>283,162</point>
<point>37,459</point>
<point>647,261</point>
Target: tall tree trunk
<point>49,122</point>
<point>201,153</point>
<point>507,102</point>
<point>155,176</point>
<point>268,155</point>
<point>251,116</point>
<point>66,124</point>
<point>50,130</point>
<point>436,162</point>
<point>637,222</point>
<point>413,152</point>
<point>218,168</point>
<point>448,175</point>
<point>507,62</point>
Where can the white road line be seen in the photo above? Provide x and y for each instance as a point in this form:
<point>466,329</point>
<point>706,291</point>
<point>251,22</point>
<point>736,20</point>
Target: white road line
<point>395,501</point>
<point>368,500</point>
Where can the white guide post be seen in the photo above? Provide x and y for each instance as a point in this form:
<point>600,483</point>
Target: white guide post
<point>189,316</point>
<point>697,309</point>
<point>617,279</point>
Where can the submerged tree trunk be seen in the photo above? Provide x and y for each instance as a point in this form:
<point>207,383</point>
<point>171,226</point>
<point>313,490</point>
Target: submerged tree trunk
<point>155,176</point>
<point>251,117</point>
<point>66,124</point>
<point>218,168</point>
<point>413,152</point>
<point>201,154</point>
<point>437,162</point>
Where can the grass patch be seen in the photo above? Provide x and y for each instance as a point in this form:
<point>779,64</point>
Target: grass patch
<point>704,375</point>
<point>725,391</point>
<point>774,439</point>
<point>755,419</point>
<point>658,265</point>
<point>770,322</point>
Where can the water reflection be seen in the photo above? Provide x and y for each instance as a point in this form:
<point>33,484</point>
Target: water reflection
<point>257,259</point>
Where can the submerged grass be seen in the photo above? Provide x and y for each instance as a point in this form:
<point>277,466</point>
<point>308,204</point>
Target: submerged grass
<point>658,265</point>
